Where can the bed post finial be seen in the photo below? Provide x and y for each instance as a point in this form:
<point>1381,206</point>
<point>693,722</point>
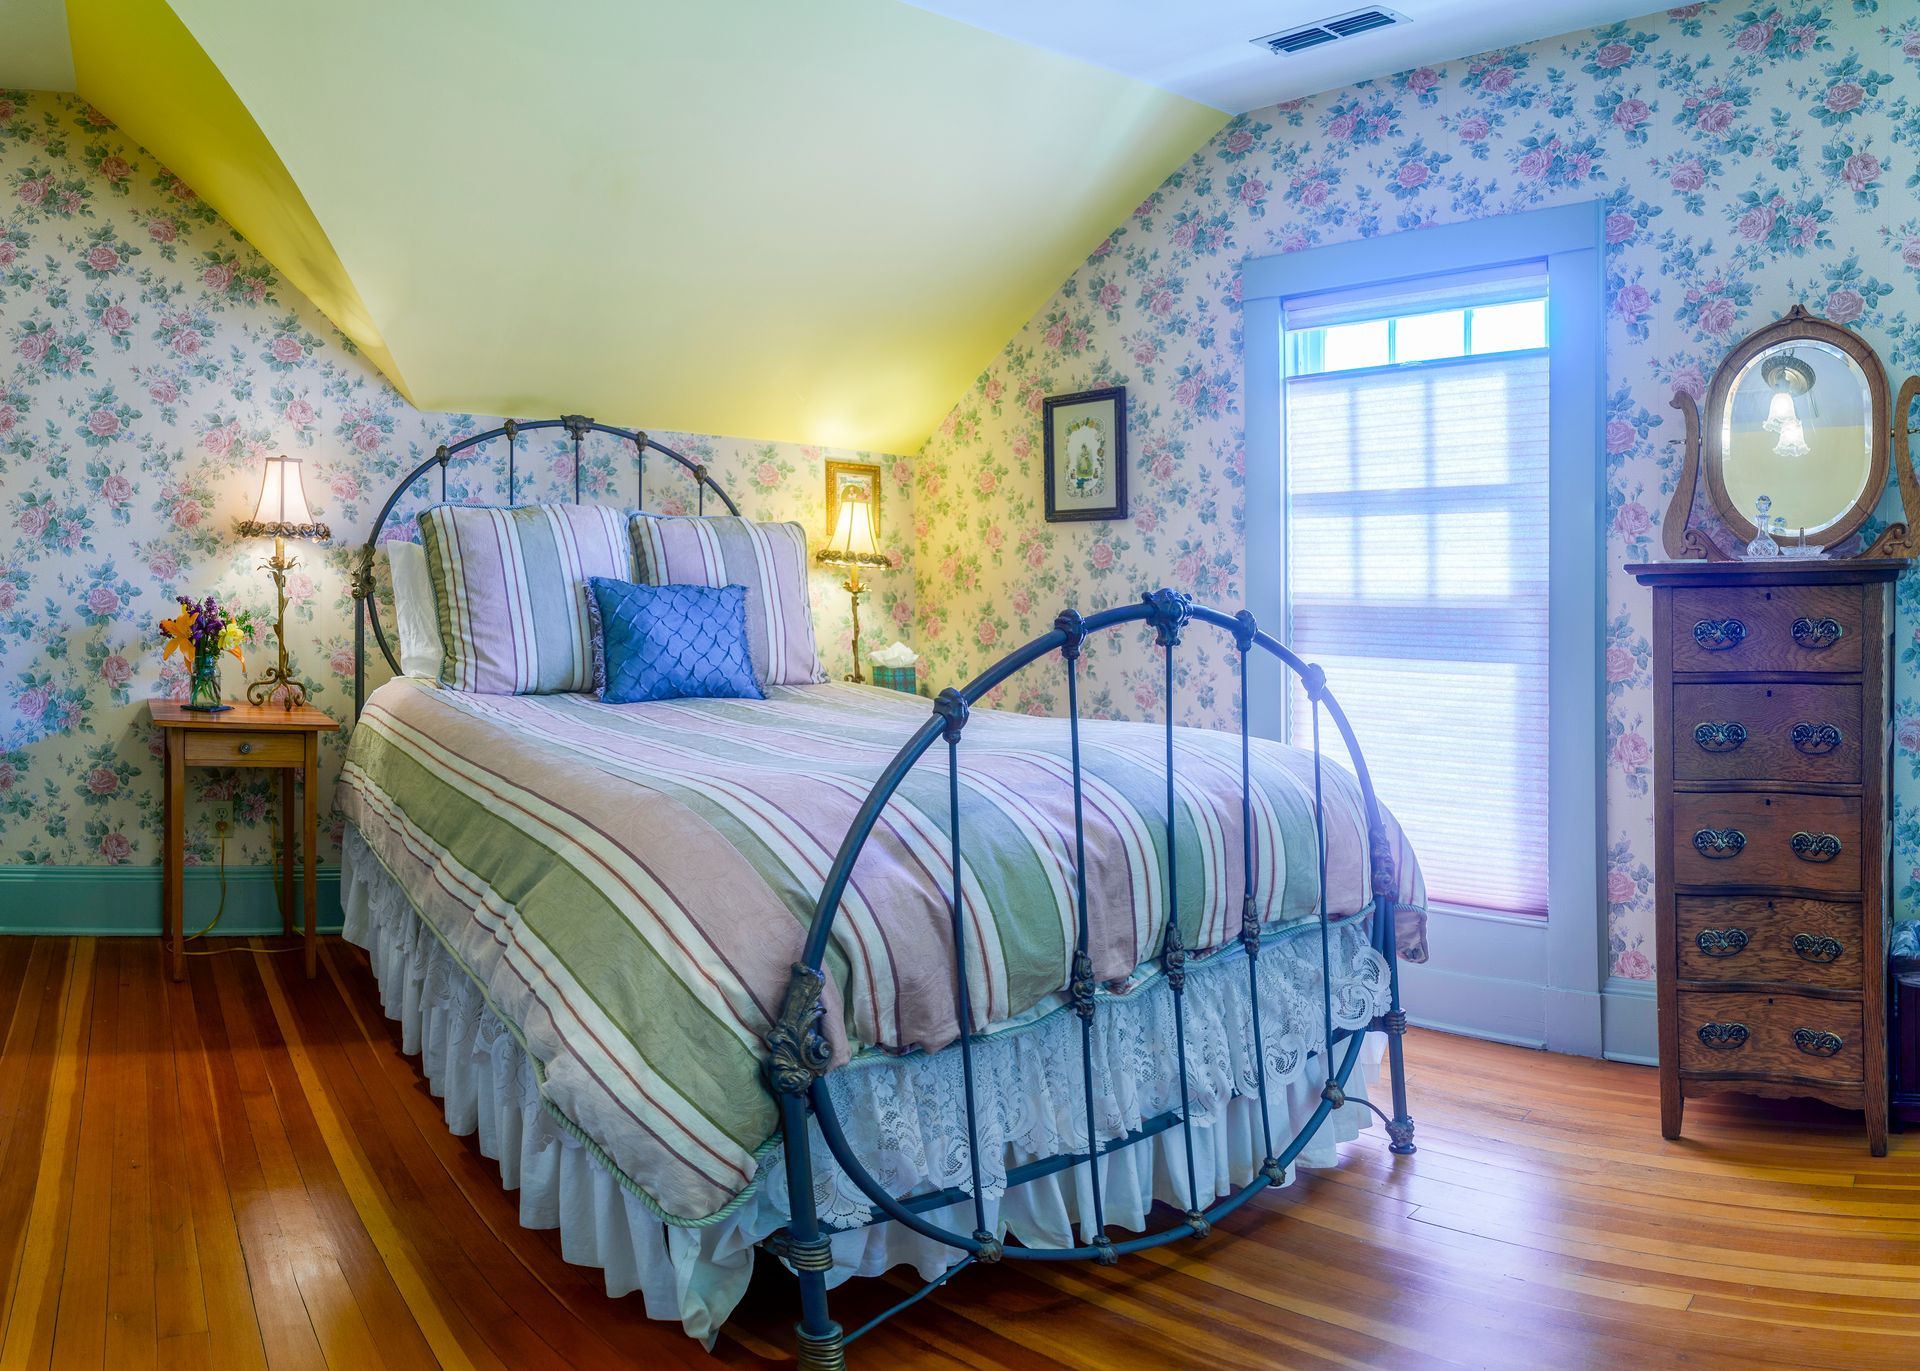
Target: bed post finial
<point>1169,611</point>
<point>1069,622</point>
<point>797,1050</point>
<point>952,706</point>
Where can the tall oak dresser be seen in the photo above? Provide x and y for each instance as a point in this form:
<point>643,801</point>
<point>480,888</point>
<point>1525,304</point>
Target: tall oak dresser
<point>1773,688</point>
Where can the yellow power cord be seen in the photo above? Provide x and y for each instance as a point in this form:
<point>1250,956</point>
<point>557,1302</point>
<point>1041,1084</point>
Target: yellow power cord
<point>223,828</point>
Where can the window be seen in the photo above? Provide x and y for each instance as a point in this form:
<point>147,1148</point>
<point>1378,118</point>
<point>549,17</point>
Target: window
<point>1416,449</point>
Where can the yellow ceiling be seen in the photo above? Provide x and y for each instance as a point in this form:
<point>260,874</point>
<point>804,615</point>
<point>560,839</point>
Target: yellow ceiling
<point>811,222</point>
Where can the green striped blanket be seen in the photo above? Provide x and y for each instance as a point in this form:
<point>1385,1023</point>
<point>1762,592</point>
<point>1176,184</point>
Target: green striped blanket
<point>630,883</point>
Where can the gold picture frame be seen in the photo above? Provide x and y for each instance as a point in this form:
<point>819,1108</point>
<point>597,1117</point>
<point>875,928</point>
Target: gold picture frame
<point>863,475</point>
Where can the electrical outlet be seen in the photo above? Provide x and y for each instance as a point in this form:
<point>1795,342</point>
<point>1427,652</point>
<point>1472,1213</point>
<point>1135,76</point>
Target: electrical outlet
<point>223,817</point>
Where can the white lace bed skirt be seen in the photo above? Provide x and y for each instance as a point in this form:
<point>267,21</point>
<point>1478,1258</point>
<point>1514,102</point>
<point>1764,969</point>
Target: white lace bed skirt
<point>904,1116</point>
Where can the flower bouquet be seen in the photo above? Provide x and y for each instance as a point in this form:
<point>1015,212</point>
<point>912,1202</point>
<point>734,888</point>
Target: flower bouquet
<point>204,631</point>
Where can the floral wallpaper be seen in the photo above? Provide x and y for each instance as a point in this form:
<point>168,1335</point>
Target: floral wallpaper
<point>148,359</point>
<point>1751,154</point>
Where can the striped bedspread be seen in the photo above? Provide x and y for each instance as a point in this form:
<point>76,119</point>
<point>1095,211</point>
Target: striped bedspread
<point>631,883</point>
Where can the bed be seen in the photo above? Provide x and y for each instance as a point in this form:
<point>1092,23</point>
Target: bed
<point>697,971</point>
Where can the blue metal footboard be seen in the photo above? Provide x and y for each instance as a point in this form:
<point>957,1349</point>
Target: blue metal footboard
<point>798,1054</point>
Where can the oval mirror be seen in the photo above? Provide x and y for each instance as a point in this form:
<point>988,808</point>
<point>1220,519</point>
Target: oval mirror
<point>1796,429</point>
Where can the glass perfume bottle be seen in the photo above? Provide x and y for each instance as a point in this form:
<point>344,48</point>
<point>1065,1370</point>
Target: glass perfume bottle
<point>1763,544</point>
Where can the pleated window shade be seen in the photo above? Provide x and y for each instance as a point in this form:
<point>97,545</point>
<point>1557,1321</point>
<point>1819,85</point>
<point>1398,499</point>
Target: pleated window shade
<point>1417,565</point>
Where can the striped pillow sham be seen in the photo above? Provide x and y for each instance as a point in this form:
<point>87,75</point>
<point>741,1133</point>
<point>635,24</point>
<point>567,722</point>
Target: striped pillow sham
<point>769,560</point>
<point>508,591</point>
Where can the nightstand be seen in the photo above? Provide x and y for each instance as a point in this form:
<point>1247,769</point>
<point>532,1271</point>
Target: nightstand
<point>287,740</point>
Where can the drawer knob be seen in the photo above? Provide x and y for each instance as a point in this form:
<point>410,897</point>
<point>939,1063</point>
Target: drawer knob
<point>1717,635</point>
<point>1817,1042</point>
<point>1816,740</point>
<point>1815,847</point>
<point>1722,942</point>
<point>1817,635</point>
<point>1719,843</point>
<point>245,748</point>
<point>1816,947</point>
<point>1723,1037</point>
<point>1719,737</point>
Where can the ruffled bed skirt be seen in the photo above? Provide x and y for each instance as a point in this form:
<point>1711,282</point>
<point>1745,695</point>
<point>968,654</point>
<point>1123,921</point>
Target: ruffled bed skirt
<point>904,1115</point>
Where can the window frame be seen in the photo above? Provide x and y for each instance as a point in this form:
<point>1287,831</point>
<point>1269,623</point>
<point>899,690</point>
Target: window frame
<point>1490,976</point>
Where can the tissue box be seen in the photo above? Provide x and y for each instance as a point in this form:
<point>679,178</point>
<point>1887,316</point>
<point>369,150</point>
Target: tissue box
<point>906,678</point>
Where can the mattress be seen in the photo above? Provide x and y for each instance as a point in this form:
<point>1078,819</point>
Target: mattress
<point>628,885</point>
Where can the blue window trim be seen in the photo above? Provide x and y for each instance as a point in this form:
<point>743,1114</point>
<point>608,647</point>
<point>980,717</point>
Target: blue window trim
<point>1561,1008</point>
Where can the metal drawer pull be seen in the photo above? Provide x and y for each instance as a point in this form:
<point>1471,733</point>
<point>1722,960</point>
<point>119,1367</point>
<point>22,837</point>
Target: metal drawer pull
<point>245,748</point>
<point>1717,635</point>
<point>1817,1042</point>
<point>1815,847</point>
<point>1721,942</point>
<point>1719,843</point>
<point>1723,1037</point>
<point>1817,635</point>
<point>1816,947</point>
<point>1816,740</point>
<point>1719,737</point>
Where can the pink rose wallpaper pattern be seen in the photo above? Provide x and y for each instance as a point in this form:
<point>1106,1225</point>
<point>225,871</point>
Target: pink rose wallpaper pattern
<point>148,359</point>
<point>1750,154</point>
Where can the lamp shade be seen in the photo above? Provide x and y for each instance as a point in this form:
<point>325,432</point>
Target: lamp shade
<point>281,511</point>
<point>852,542</point>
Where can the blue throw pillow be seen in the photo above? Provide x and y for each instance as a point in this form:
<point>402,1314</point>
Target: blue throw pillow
<point>669,642</point>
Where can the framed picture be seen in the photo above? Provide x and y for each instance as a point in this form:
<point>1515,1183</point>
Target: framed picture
<point>1086,455</point>
<point>862,476</point>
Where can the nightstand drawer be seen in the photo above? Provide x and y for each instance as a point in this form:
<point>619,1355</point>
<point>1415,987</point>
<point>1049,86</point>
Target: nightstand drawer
<point>1745,839</point>
<point>1769,938</point>
<point>1771,1035</point>
<point>245,749</point>
<point>1787,732</point>
<point>1778,628</point>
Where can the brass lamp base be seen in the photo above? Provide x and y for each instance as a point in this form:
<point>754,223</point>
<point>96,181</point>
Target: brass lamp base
<point>855,590</point>
<point>278,682</point>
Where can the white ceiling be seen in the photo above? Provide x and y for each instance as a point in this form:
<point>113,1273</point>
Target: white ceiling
<point>1205,52</point>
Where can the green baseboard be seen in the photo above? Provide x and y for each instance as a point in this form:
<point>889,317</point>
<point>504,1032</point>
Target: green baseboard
<point>125,900</point>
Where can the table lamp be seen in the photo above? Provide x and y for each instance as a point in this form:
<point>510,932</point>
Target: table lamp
<point>852,546</point>
<point>281,514</point>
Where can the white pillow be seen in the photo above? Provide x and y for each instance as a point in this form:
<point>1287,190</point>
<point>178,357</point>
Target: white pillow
<point>413,609</point>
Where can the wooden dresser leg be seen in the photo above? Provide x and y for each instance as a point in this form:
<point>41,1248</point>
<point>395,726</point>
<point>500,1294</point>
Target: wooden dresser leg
<point>1876,1121</point>
<point>1672,1105</point>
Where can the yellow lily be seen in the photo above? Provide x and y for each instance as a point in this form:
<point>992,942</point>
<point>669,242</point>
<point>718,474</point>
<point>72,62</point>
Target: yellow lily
<point>179,631</point>
<point>231,640</point>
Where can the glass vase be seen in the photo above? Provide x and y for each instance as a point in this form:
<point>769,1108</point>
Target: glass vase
<point>203,687</point>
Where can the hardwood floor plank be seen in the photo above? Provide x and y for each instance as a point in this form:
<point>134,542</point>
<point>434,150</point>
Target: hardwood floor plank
<point>243,1171</point>
<point>131,1336</point>
<point>27,1065</point>
<point>81,1327</point>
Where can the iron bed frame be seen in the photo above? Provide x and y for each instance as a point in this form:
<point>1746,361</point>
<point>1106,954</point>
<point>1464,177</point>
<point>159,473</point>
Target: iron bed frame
<point>799,1057</point>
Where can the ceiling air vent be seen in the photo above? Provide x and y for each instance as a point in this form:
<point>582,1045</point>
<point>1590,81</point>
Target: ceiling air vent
<point>1330,30</point>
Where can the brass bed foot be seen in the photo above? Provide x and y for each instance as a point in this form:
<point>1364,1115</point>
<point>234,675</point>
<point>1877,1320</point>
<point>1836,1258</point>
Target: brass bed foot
<point>824,1351</point>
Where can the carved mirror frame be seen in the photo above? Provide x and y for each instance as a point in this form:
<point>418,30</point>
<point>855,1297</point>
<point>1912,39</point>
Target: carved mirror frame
<point>1703,446</point>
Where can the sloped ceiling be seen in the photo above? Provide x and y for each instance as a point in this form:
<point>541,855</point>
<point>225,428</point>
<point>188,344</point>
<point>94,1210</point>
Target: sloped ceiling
<point>811,222</point>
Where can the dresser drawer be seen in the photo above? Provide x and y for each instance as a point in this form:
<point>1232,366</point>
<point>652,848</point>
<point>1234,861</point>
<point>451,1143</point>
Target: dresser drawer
<point>245,749</point>
<point>1771,1035</point>
<point>1787,732</point>
<point>1761,628</point>
<point>1740,838</point>
<point>1769,938</point>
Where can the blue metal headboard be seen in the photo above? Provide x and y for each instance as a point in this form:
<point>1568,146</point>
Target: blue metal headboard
<point>578,426</point>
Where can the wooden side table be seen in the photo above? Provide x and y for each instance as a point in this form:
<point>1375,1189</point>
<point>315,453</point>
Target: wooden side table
<point>243,736</point>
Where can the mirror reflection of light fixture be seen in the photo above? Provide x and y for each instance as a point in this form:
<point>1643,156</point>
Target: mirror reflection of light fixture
<point>852,545</point>
<point>281,513</point>
<point>1786,376</point>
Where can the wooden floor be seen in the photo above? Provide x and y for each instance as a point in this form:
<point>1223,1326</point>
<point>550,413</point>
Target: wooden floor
<point>243,1171</point>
